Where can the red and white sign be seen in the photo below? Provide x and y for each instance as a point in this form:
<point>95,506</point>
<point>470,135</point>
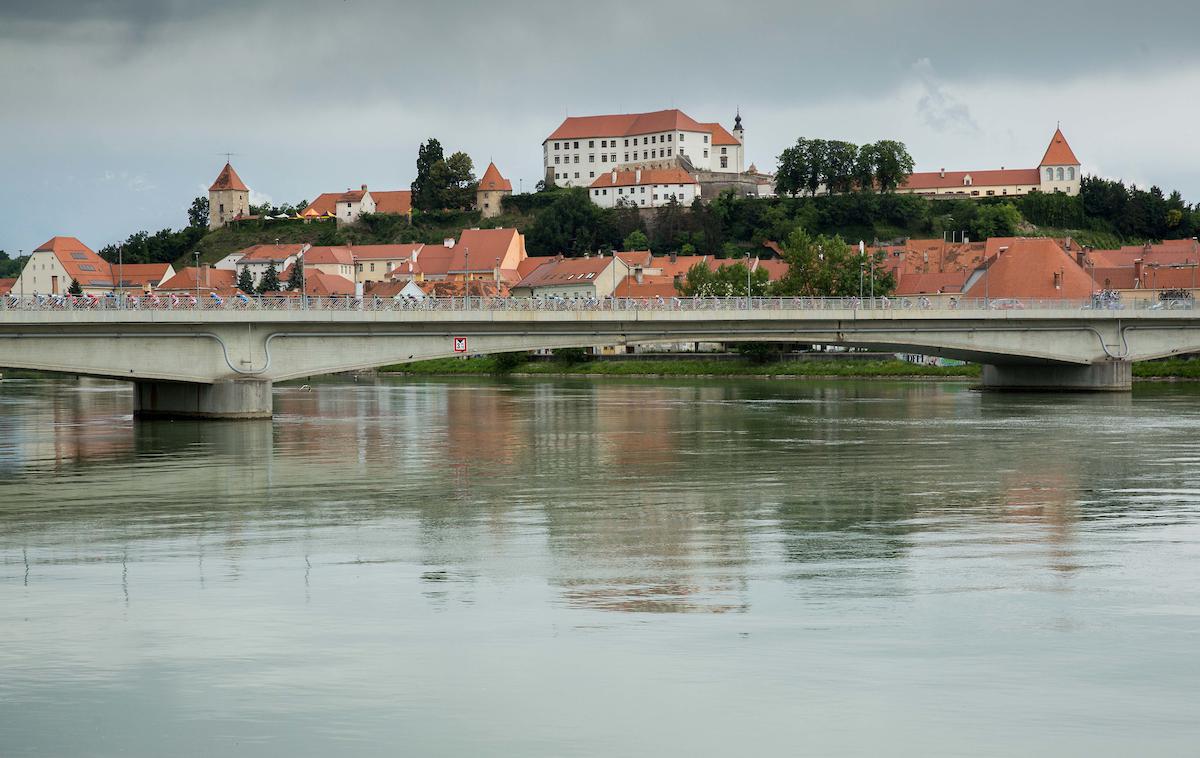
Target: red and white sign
<point>460,344</point>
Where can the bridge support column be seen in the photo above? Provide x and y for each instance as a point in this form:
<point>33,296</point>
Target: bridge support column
<point>1109,376</point>
<point>222,400</point>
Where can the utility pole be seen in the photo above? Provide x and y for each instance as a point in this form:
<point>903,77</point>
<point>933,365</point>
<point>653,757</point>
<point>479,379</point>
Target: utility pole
<point>747,281</point>
<point>196,253</point>
<point>121,272</point>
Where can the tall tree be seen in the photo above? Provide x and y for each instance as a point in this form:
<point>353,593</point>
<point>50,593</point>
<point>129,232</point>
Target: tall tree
<point>892,164</point>
<point>198,213</point>
<point>74,289</point>
<point>270,280</point>
<point>571,225</point>
<point>245,281</point>
<point>841,158</point>
<point>425,195</point>
<point>460,181</point>
<point>729,280</point>
<point>296,277</point>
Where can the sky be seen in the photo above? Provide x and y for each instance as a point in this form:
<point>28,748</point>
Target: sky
<point>115,114</point>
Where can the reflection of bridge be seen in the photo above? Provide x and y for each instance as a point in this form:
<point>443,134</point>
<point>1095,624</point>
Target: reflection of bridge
<point>221,361</point>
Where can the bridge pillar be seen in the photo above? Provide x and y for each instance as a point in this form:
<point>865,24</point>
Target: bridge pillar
<point>237,399</point>
<point>1109,376</point>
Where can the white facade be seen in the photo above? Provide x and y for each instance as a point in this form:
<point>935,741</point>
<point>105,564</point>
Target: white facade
<point>1063,179</point>
<point>351,205</point>
<point>648,195</point>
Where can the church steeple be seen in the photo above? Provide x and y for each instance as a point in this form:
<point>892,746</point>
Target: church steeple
<point>739,132</point>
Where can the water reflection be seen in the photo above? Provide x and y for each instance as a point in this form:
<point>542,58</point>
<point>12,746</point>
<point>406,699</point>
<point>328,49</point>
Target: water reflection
<point>398,515</point>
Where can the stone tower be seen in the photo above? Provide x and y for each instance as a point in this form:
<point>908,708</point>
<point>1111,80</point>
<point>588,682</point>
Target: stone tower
<point>228,198</point>
<point>491,192</point>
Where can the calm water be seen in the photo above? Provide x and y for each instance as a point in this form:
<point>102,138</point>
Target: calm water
<point>555,568</point>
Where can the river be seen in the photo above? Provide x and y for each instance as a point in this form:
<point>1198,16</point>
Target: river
<point>543,567</point>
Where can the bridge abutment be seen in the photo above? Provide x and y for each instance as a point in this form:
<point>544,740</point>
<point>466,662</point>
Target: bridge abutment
<point>238,399</point>
<point>1109,376</point>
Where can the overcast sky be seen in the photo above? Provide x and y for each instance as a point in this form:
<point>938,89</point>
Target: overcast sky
<point>114,113</point>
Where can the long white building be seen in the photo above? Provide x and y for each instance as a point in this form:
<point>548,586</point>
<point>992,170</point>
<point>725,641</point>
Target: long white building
<point>583,148</point>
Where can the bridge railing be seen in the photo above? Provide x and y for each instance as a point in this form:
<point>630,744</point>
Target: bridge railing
<point>207,302</point>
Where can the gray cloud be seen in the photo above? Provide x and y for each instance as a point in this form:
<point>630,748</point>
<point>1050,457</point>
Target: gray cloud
<point>324,94</point>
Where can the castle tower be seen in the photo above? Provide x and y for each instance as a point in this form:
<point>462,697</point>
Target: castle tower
<point>738,132</point>
<point>492,190</point>
<point>228,198</point>
<point>1059,169</point>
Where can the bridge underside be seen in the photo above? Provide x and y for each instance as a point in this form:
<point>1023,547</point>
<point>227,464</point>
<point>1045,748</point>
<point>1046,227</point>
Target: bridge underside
<point>225,369</point>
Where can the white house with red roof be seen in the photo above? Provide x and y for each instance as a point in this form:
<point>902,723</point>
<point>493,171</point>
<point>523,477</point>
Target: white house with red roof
<point>572,278</point>
<point>1059,171</point>
<point>347,206</point>
<point>583,148</point>
<point>53,265</point>
<point>644,188</point>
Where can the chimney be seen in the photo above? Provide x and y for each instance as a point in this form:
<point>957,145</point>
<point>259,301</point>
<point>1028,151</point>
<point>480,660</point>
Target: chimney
<point>496,272</point>
<point>1081,257</point>
<point>614,176</point>
<point>637,274</point>
<point>1138,265</point>
<point>1068,244</point>
<point>637,176</point>
<point>678,279</point>
<point>448,242</point>
<point>674,257</point>
<point>942,173</point>
<point>364,188</point>
<point>1058,278</point>
<point>204,273</point>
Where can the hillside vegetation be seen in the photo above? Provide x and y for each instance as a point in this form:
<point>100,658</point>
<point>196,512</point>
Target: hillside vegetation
<point>1105,214</point>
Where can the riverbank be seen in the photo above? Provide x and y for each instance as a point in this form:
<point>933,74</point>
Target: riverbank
<point>1174,369</point>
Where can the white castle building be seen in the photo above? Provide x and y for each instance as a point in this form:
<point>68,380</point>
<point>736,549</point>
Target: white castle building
<point>585,149</point>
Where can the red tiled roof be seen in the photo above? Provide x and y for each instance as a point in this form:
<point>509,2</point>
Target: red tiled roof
<point>269,252</point>
<point>384,289</point>
<point>325,204</point>
<point>476,287</point>
<point>648,176</point>
<point>650,286</point>
<point>79,261</point>
<point>63,245</point>
<point>398,202</point>
<point>567,271</point>
<point>1027,270</point>
<point>329,256</point>
<point>6,285</point>
<point>384,252</point>
<point>228,180</point>
<point>527,266</point>
<point>492,180</point>
<point>776,269</point>
<point>626,125</point>
<point>979,179</point>
<point>925,284</point>
<point>637,258</point>
<point>210,278</point>
<point>1059,152</point>
<point>683,263</point>
<point>485,246</point>
<point>352,196</point>
<point>433,260</point>
<point>138,274</point>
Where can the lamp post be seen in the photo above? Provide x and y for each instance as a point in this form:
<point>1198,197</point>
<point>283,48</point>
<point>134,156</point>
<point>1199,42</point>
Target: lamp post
<point>121,272</point>
<point>196,254</point>
<point>21,275</point>
<point>467,278</point>
<point>862,263</point>
<point>747,281</point>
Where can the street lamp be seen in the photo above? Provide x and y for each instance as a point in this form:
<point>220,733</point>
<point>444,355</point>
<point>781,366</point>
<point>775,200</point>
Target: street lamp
<point>747,280</point>
<point>467,278</point>
<point>196,254</point>
<point>21,275</point>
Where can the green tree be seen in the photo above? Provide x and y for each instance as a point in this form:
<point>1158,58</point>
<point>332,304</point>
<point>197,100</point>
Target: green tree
<point>269,281</point>
<point>636,240</point>
<point>728,280</point>
<point>841,159</point>
<point>296,277</point>
<point>1003,220</point>
<point>460,181</point>
<point>571,225</point>
<point>425,194</point>
<point>198,213</point>
<point>892,164</point>
<point>827,267</point>
<point>74,289</point>
<point>245,281</point>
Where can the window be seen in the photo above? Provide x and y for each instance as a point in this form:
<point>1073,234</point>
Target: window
<point>576,174</point>
<point>627,155</point>
<point>591,174</point>
<point>991,192</point>
<point>1060,173</point>
<point>596,193</point>
<point>555,145</point>
<point>576,145</point>
<point>654,139</point>
<point>591,143</point>
<point>603,143</point>
<point>681,137</point>
<point>1049,174</point>
<point>556,159</point>
<point>577,159</point>
<point>79,256</point>
<point>626,143</point>
<point>643,190</point>
<point>557,175</point>
<point>724,150</point>
<point>655,195</point>
<point>669,136</point>
<point>86,266</point>
<point>592,158</point>
<point>372,265</point>
<point>668,152</point>
<point>705,153</point>
<point>724,162</point>
<point>605,191</point>
<point>706,138</point>
<point>1071,172</point>
<point>644,155</point>
<point>620,191</point>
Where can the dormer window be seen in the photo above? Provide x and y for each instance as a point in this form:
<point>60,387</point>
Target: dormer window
<point>967,180</point>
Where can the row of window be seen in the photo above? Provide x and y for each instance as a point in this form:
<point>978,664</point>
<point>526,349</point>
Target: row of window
<point>1068,175</point>
<point>646,155</point>
<point>651,140</point>
<point>642,190</point>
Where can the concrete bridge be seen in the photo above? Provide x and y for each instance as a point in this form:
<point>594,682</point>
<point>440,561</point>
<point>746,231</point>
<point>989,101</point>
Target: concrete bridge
<point>216,359</point>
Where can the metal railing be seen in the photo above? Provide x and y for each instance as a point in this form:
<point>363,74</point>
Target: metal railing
<point>918,304</point>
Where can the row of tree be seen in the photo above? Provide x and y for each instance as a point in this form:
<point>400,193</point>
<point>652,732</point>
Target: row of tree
<point>836,166</point>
